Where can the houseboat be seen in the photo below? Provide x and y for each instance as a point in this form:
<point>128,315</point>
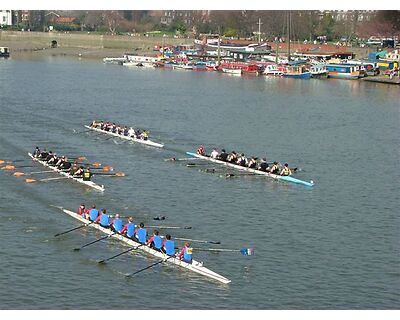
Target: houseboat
<point>297,72</point>
<point>318,71</point>
<point>343,71</point>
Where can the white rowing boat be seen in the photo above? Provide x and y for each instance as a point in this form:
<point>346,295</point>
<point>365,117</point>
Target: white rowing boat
<point>146,142</point>
<point>80,180</point>
<point>195,266</point>
<point>271,175</point>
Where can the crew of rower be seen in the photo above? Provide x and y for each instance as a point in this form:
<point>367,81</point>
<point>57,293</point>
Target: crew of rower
<point>252,162</point>
<point>121,130</point>
<point>136,233</point>
<point>63,163</point>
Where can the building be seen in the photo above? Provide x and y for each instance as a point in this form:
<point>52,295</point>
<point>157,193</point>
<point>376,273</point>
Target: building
<point>5,17</point>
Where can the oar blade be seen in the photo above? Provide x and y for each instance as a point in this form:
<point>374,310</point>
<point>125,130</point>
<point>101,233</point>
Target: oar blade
<point>247,251</point>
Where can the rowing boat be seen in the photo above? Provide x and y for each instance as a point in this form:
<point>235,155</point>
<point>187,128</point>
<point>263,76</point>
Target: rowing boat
<point>146,142</point>
<point>255,171</point>
<point>80,180</point>
<point>195,266</point>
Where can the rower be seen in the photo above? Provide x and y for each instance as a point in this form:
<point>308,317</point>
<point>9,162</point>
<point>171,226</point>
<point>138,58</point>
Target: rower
<point>82,211</point>
<point>49,156</point>
<point>117,224</point>
<point>66,165</point>
<point>129,228</point>
<point>87,175</point>
<point>263,166</point>
<point>144,135</point>
<point>125,131</point>
<point>79,172</point>
<point>101,125</point>
<point>103,219</point>
<point>242,161</point>
<point>275,168</point>
<point>168,246</point>
<point>141,233</point>
<point>114,128</point>
<point>74,168</point>
<point>201,151</point>
<point>286,171</point>
<point>53,159</point>
<point>232,157</point>
<point>37,152</point>
<point>43,154</point>
<point>131,132</point>
<point>93,213</point>
<point>155,241</point>
<point>214,154</point>
<point>223,156</point>
<point>59,161</point>
<point>186,253</point>
<point>252,163</point>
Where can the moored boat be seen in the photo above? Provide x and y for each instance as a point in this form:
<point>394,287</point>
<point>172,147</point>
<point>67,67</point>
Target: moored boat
<point>255,171</point>
<point>318,71</point>
<point>146,142</point>
<point>195,266</point>
<point>232,71</point>
<point>297,73</point>
<point>342,71</point>
<point>80,180</point>
<point>4,52</point>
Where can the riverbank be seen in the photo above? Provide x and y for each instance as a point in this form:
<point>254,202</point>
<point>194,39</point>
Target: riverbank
<point>84,45</point>
<point>98,46</point>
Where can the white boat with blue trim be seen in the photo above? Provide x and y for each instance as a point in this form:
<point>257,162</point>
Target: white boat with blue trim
<point>195,266</point>
<point>80,180</point>
<point>146,142</point>
<point>255,171</point>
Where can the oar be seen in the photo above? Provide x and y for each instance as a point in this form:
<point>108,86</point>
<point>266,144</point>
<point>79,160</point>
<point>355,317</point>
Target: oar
<point>90,243</point>
<point>117,174</point>
<point>170,227</point>
<point>76,228</point>
<point>200,241</point>
<point>120,254</point>
<point>148,267</point>
<point>181,159</point>
<point>243,251</point>
<point>56,178</point>
<point>191,164</point>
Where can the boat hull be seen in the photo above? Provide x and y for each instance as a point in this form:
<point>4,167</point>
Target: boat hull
<point>195,266</point>
<point>274,176</point>
<point>146,142</point>
<point>88,183</point>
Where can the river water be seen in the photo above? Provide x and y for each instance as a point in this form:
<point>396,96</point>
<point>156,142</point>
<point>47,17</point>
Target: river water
<point>333,246</point>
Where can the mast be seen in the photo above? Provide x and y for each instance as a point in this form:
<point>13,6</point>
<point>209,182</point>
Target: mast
<point>259,30</point>
<point>219,52</point>
<point>289,22</point>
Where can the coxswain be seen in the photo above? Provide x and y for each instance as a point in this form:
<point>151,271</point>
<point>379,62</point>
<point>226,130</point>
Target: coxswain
<point>242,161</point>
<point>155,241</point>
<point>82,211</point>
<point>186,253</point>
<point>275,168</point>
<point>232,157</point>
<point>94,124</point>
<point>201,151</point>
<point>117,224</point>
<point>93,213</point>
<point>168,246</point>
<point>103,219</point>
<point>252,163</point>
<point>263,166</point>
<point>223,155</point>
<point>214,154</point>
<point>286,171</point>
<point>144,135</point>
<point>87,175</point>
<point>37,152</point>
<point>141,233</point>
<point>129,228</point>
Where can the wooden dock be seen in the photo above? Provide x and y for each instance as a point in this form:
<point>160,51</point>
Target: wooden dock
<point>383,79</point>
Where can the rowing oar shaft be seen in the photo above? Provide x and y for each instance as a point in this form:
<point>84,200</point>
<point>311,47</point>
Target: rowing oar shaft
<point>120,254</point>
<point>200,241</point>
<point>76,228</point>
<point>169,227</point>
<point>148,267</point>
<point>88,244</point>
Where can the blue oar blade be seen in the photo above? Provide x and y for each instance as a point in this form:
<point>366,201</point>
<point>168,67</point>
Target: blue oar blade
<point>247,251</point>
